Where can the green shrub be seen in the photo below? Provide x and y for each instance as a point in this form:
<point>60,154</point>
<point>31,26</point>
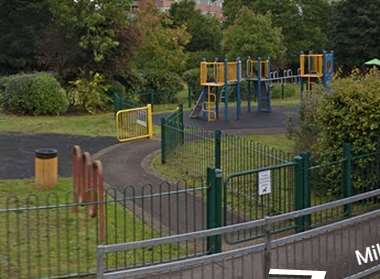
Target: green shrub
<point>89,94</point>
<point>191,77</point>
<point>351,113</point>
<point>290,90</point>
<point>303,127</point>
<point>348,113</point>
<point>36,94</point>
<point>165,84</point>
<point>194,58</point>
<point>121,99</point>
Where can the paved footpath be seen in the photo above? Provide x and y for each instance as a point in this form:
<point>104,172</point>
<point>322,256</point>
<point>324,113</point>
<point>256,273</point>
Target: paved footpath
<point>175,213</point>
<point>123,166</point>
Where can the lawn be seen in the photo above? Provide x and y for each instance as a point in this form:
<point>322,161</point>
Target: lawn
<point>102,124</point>
<point>192,160</point>
<point>42,235</point>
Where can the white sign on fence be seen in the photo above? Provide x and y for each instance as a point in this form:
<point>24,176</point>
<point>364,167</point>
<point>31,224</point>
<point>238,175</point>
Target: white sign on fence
<point>265,182</point>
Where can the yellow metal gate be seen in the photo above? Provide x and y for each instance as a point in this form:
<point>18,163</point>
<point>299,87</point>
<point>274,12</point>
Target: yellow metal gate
<point>134,124</point>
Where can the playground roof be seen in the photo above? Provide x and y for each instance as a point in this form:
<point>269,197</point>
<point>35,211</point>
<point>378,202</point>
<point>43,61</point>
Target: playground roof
<point>373,62</point>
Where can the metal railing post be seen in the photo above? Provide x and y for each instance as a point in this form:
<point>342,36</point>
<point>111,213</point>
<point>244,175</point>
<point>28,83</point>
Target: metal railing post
<point>181,125</point>
<point>226,97</point>
<point>267,249</point>
<point>238,80</point>
<point>100,268</point>
<point>149,120</point>
<point>218,149</point>
<point>189,95</point>
<point>306,187</point>
<point>299,191</point>
<point>163,140</point>
<point>214,208</point>
<point>347,176</point>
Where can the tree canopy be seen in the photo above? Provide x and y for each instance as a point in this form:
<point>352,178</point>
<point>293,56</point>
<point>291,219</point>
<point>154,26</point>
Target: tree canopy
<point>86,35</point>
<point>355,32</point>
<point>253,35</point>
<point>21,22</point>
<point>303,22</point>
<point>205,30</point>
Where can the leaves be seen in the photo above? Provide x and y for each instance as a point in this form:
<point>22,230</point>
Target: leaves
<point>89,93</point>
<point>253,35</point>
<point>355,32</point>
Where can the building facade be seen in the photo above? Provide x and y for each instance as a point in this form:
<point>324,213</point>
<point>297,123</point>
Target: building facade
<point>207,7</point>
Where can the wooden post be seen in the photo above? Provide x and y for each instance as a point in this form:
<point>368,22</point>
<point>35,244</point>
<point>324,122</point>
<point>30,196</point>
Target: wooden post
<point>99,182</point>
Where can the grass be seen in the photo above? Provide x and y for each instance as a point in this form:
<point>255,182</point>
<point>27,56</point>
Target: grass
<point>278,141</point>
<point>86,125</point>
<point>192,162</point>
<point>239,154</point>
<point>40,241</point>
<point>102,124</point>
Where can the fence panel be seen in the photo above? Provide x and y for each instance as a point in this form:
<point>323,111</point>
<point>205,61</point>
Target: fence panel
<point>349,175</point>
<point>157,211</point>
<point>329,248</point>
<point>190,151</point>
<point>246,198</point>
<point>132,124</point>
<point>52,235</point>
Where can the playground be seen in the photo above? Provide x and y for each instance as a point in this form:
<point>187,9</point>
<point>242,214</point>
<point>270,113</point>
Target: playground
<point>224,162</point>
<point>192,139</point>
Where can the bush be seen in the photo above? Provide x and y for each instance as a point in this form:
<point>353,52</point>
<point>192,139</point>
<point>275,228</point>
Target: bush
<point>36,94</point>
<point>166,84</point>
<point>290,90</point>
<point>349,113</point>
<point>195,58</point>
<point>303,127</point>
<point>121,99</point>
<point>89,94</point>
<point>191,77</point>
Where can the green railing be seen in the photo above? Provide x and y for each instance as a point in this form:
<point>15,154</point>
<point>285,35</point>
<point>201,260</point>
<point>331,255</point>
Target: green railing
<point>48,235</point>
<point>245,201</point>
<point>349,175</point>
<point>191,150</point>
<point>297,182</point>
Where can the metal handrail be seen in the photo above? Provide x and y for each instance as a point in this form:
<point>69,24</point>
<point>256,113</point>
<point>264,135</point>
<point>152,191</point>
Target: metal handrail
<point>236,227</point>
<point>268,221</point>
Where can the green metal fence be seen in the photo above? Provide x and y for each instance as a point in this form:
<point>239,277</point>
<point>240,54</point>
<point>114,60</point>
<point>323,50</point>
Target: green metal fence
<point>246,200</point>
<point>50,236</point>
<point>191,150</point>
<point>297,182</point>
<point>350,174</point>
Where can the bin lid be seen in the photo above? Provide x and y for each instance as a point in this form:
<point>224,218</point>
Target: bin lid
<point>46,153</point>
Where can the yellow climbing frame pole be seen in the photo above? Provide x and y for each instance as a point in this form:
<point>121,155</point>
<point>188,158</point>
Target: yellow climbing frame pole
<point>211,105</point>
<point>133,124</point>
<point>311,65</point>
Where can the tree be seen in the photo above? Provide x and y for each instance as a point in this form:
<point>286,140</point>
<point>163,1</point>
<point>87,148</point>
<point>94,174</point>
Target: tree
<point>356,32</point>
<point>304,23</point>
<point>87,36</point>
<point>161,56</point>
<point>231,9</point>
<point>21,22</point>
<point>205,30</point>
<point>253,35</point>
